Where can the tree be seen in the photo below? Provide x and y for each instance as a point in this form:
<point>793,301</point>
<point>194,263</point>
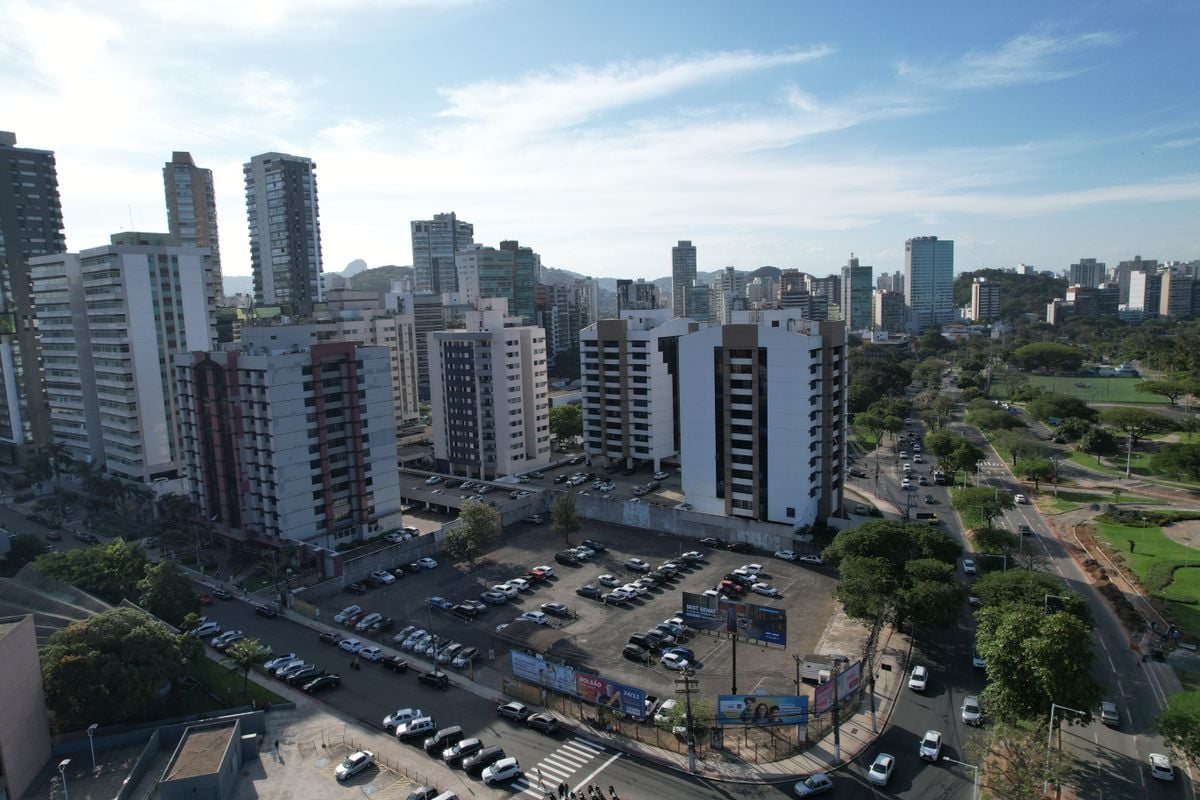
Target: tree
<point>1071,429</point>
<point>1020,444</point>
<point>963,457</point>
<point>1034,659</point>
<point>108,667</point>
<point>1180,461</point>
<point>1180,723</point>
<point>992,420</point>
<point>1038,590</point>
<point>929,372</point>
<point>932,343</point>
<point>930,595</point>
<point>941,444</point>
<point>566,364</point>
<point>1036,470</point>
<point>1168,389</point>
<point>1048,356</point>
<point>566,421</point>
<point>872,423</point>
<point>1098,442</point>
<point>979,505</point>
<point>563,518</point>
<point>1013,760</point>
<point>479,529</point>
<point>1058,406</point>
<point>167,593</point>
<point>996,541</point>
<point>1136,423</point>
<point>245,654</point>
<point>23,548</point>
<point>110,571</point>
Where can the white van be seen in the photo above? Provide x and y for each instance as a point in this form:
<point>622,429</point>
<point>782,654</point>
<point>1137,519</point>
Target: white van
<point>446,796</point>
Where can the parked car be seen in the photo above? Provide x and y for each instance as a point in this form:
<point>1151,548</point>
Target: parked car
<point>786,555</point>
<point>515,711</point>
<point>416,727</point>
<point>813,785</point>
<point>354,764</point>
<point>919,679</point>
<point>637,565</point>
<point>267,612</point>
<point>931,746</point>
<point>599,547</point>
<point>464,657</point>
<point>355,588</point>
<point>351,645</point>
<point>506,769</point>
<point>399,717</point>
<point>881,769</point>
<point>556,610</point>
<point>493,597</point>
<point>589,591</point>
<point>484,758</point>
<point>384,577</point>
<point>538,617</point>
<point>693,556</point>
<point>439,602</point>
<point>740,547</point>
<point>346,613</point>
<point>372,653</point>
<point>608,580</point>
<point>543,722</point>
<point>674,661</point>
<point>463,749</point>
<point>765,589</point>
<point>437,679</point>
<point>395,664</point>
<point>322,683</point>
<point>427,563</point>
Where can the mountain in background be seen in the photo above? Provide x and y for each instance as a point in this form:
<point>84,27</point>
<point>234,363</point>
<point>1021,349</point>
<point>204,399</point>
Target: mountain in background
<point>379,279</point>
<point>354,267</point>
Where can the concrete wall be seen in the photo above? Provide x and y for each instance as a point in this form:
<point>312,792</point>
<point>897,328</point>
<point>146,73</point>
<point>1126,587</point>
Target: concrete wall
<point>689,525</point>
<point>24,727</point>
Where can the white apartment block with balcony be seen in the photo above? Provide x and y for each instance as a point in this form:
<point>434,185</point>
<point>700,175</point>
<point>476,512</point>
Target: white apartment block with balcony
<point>630,370</point>
<point>489,393</point>
<point>126,309</point>
<point>763,432</point>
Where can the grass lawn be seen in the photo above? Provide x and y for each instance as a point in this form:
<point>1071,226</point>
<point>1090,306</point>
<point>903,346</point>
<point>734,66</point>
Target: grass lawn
<point>1152,551</point>
<point>1098,390</point>
<point>1139,466</point>
<point>865,437</point>
<point>216,687</point>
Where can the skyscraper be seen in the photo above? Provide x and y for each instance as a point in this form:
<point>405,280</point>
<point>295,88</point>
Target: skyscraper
<point>31,224</point>
<point>928,282</point>
<point>1124,269</point>
<point>285,231</point>
<point>434,244</point>
<point>683,275</point>
<point>856,295</point>
<point>512,272</point>
<point>192,213</point>
<point>985,300</point>
<point>1087,272</point>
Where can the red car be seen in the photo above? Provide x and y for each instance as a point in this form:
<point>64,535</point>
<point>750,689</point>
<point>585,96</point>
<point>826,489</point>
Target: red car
<point>206,600</point>
<point>537,576</point>
<point>729,587</point>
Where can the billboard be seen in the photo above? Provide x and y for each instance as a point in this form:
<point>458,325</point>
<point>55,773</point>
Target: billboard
<point>603,692</point>
<point>761,623</point>
<point>762,709</point>
<point>540,671</point>
<point>848,682</point>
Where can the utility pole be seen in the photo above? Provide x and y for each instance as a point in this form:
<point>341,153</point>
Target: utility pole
<point>796,658</point>
<point>690,683</point>
<point>837,731</point>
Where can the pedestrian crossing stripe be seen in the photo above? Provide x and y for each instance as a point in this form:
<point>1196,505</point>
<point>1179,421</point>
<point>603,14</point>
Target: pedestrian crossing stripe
<point>557,767</point>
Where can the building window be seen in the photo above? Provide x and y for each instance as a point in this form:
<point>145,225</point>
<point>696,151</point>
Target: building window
<point>791,512</point>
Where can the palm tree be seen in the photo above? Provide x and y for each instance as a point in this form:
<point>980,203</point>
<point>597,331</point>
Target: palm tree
<point>244,655</point>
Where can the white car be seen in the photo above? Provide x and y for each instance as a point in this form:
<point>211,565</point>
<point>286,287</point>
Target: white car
<point>535,616</point>
<point>399,717</point>
<point>383,576</point>
<point>906,484</point>
<point>637,565</point>
<point>635,589</point>
<point>354,764</point>
<point>346,613</point>
<point>278,661</point>
<point>1020,499</point>
<point>206,629</point>
<point>371,653</point>
<point>815,784</point>
<point>368,621</point>
<point>972,714</point>
<point>433,480</point>
<point>765,589</point>
<point>351,645</point>
<point>753,567</point>
<point>881,770</point>
<point>661,476</point>
<point>692,555</point>
<point>608,580</point>
<point>968,566</point>
<point>931,746</point>
<point>749,575</point>
<point>520,584</point>
<point>229,637</point>
<point>1160,767</point>
<point>427,563</point>
<point>414,640</point>
<point>786,555</point>
<point>919,678</point>
<point>674,661</point>
<point>663,715</point>
<point>811,559</point>
<point>619,593</point>
<point>506,589</point>
<point>506,769</point>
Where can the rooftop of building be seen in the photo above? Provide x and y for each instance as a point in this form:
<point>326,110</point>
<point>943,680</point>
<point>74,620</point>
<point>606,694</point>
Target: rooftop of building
<point>200,752</point>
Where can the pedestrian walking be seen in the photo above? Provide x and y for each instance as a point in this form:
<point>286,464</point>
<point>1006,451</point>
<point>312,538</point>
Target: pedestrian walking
<point>562,789</point>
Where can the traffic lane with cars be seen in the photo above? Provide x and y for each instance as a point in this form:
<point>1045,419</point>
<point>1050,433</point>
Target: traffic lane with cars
<point>16,521</point>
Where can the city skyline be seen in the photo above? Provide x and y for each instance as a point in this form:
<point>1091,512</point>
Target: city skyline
<point>790,139</point>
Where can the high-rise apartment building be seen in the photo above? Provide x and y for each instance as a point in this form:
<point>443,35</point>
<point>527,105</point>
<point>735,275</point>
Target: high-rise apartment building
<point>928,282</point>
<point>830,286</point>
<point>291,440</point>
<point>1087,272</point>
<point>856,295</point>
<point>888,312</point>
<point>428,315</point>
<point>764,433</point>
<point>112,320</point>
<point>488,387</point>
<point>1180,296</point>
<point>729,293</point>
<point>631,387</point>
<point>558,315</point>
<point>585,301</point>
<point>285,231</point>
<point>1124,269</point>
<point>31,224</point>
<point>898,281</point>
<point>434,245</point>
<point>512,272</point>
<point>1144,294</point>
<point>1094,301</point>
<point>192,213</point>
<point>683,275</point>
<point>636,295</point>
<point>985,300</point>
<point>698,300</point>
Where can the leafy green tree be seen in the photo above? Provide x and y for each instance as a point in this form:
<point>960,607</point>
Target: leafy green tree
<point>23,548</point>
<point>1020,444</point>
<point>963,457</point>
<point>1136,423</point>
<point>1038,590</point>
<point>566,421</point>
<point>930,595</point>
<point>110,571</point>
<point>563,518</point>
<point>932,343</point>
<point>1049,357</point>
<point>1036,470</point>
<point>1072,429</point>
<point>108,667</point>
<point>167,593</point>
<point>941,444</point>
<point>929,372</point>
<point>1171,390</point>
<point>479,531</point>
<point>1013,760</point>
<point>1034,659</point>
<point>1180,723</point>
<point>1181,461</point>
<point>1098,442</point>
<point>992,420</point>
<point>566,364</point>
<point>979,505</point>
<point>871,423</point>
<point>245,654</point>
<point>996,541</point>
<point>1059,406</point>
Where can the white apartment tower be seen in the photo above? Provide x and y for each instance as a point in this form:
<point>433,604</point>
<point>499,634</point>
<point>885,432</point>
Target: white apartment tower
<point>289,439</point>
<point>764,433</point>
<point>112,320</point>
<point>985,300</point>
<point>631,386</point>
<point>488,389</point>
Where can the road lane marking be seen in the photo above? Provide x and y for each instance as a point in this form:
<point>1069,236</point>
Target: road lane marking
<point>599,769</point>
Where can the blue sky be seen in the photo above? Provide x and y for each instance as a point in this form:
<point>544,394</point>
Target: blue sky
<point>784,133</point>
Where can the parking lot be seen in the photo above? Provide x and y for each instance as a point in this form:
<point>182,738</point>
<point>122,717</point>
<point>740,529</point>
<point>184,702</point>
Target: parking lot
<point>600,631</point>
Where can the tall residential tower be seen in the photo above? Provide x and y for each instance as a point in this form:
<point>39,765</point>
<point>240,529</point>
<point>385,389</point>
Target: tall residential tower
<point>856,295</point>
<point>434,243</point>
<point>928,282</point>
<point>192,213</point>
<point>285,231</point>
<point>683,275</point>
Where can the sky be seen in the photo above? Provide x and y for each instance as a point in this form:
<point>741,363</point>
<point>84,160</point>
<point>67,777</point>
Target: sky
<point>768,133</point>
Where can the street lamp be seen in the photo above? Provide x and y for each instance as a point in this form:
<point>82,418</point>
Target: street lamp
<point>975,787</point>
<point>62,772</point>
<point>91,731</point>
<point>1050,736</point>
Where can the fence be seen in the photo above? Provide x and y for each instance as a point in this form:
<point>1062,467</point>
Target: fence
<point>332,741</point>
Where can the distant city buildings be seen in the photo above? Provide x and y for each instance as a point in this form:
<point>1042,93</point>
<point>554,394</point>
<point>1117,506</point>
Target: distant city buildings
<point>985,300</point>
<point>683,275</point>
<point>888,312</point>
<point>510,271</point>
<point>928,282</point>
<point>435,244</point>
<point>1087,272</point>
<point>285,231</point>
<point>855,303</point>
<point>192,214</point>
<point>728,293</point>
<point>636,295</point>
<point>1124,269</point>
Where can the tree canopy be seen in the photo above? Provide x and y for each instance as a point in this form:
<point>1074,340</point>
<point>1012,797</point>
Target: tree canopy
<point>566,421</point>
<point>1018,293</point>
<point>1058,406</point>
<point>1136,423</point>
<point>979,505</point>
<point>1181,461</point>
<point>1029,588</point>
<point>23,548</point>
<point>1048,356</point>
<point>992,419</point>
<point>110,571</point>
<point>563,518</point>
<point>1171,390</point>
<point>479,530</point>
<point>1180,723</point>
<point>167,593</point>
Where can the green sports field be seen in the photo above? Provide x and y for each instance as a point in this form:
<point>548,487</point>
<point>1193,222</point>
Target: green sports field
<point>1098,390</point>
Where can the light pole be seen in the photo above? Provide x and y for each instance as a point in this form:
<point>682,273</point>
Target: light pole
<point>92,742</point>
<point>62,773</point>
<point>1049,737</point>
<point>975,787</point>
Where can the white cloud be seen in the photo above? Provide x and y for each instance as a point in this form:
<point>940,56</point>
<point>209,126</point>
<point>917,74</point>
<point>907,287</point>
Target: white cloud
<point>1178,143</point>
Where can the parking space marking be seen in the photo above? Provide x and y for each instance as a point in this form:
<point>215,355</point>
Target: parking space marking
<point>558,766</point>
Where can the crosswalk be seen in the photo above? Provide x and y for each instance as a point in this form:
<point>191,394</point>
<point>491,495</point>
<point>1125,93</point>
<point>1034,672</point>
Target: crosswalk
<point>557,767</point>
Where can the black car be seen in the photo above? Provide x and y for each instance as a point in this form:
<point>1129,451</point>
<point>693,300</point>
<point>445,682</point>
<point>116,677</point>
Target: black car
<point>222,594</point>
<point>930,500</point>
<point>302,676</point>
<point>461,751</point>
<point>636,653</point>
<point>266,611</point>
<point>53,536</point>
<point>465,611</point>
<point>329,637</point>
<point>740,547</point>
<point>589,591</point>
<point>355,588</point>
<point>599,547</point>
<point>658,576</point>
<point>422,793</point>
<point>740,580</point>
<point>567,559</point>
<point>382,625</point>
<point>395,664</point>
<point>709,541</point>
<point>562,478</point>
<point>438,680</point>
<point>323,682</point>
<point>556,610</point>
<point>484,758</point>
